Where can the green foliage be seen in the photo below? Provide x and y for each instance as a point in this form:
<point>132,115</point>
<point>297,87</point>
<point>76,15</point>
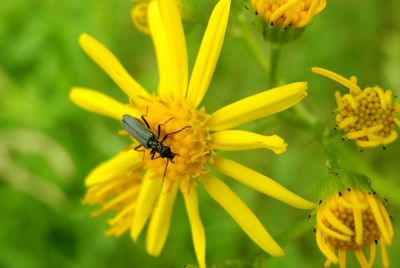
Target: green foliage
<point>48,145</point>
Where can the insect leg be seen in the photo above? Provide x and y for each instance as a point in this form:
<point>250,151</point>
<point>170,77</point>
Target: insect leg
<point>159,127</point>
<point>153,155</point>
<point>137,147</point>
<point>143,150</point>
<point>145,121</point>
<point>175,132</point>
<point>165,169</point>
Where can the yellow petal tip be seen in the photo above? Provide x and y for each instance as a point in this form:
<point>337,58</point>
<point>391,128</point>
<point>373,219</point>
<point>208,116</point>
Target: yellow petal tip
<point>83,37</point>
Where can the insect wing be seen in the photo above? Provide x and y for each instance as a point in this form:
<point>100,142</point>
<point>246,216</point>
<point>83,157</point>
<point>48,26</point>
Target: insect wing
<point>137,130</point>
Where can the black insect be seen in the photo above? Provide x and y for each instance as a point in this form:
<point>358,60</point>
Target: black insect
<point>147,139</point>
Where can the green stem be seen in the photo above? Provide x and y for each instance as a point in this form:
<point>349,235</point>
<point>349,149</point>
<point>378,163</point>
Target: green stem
<point>328,147</point>
<point>275,52</point>
<point>254,44</point>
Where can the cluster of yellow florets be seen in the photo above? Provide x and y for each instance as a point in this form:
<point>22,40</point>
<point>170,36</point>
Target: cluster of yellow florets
<point>285,13</point>
<point>190,145</point>
<point>368,117</point>
<point>352,220</point>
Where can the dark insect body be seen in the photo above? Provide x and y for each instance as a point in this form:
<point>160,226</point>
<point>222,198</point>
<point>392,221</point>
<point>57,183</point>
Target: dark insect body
<point>147,139</point>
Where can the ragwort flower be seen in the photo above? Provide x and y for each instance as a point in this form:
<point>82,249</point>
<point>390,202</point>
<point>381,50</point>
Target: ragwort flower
<point>287,13</point>
<point>139,15</point>
<point>285,19</point>
<point>367,116</point>
<point>352,220</point>
<point>133,184</point>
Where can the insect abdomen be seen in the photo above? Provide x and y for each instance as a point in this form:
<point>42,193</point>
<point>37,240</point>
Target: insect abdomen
<point>137,130</point>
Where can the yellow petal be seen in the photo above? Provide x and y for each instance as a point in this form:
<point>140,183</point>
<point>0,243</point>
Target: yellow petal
<point>120,163</point>
<point>325,249</point>
<point>312,11</point>
<point>260,183</point>
<point>336,223</point>
<point>385,232</point>
<point>372,254</point>
<point>257,106</point>
<point>149,192</point>
<point>281,10</point>
<point>386,218</point>
<point>384,254</point>
<point>198,235</point>
<point>160,220</point>
<point>209,52</point>
<point>100,103</point>
<point>110,64</point>
<point>241,214</point>
<point>160,40</point>
<point>353,87</point>
<point>236,140</point>
<point>358,221</point>
<point>328,231</point>
<point>176,45</point>
<point>361,258</point>
<point>342,257</point>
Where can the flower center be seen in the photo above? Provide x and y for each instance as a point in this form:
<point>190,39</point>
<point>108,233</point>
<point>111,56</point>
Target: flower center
<point>285,13</point>
<point>341,208</point>
<point>180,128</point>
<point>368,116</point>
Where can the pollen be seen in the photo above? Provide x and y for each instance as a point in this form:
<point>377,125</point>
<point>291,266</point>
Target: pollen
<point>285,13</point>
<point>187,137</point>
<point>351,221</point>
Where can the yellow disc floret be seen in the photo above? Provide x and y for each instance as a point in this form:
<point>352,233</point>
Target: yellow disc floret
<point>190,145</point>
<point>350,221</point>
<point>285,13</point>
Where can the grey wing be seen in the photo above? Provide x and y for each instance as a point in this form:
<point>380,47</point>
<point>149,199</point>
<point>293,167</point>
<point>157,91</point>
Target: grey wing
<point>137,130</point>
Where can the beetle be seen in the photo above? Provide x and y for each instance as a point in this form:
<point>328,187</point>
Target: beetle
<point>147,139</point>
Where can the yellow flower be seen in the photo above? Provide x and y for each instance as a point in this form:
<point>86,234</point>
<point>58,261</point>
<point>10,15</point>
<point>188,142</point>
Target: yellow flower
<point>353,220</point>
<point>139,15</point>
<point>367,116</point>
<point>288,13</point>
<point>132,183</point>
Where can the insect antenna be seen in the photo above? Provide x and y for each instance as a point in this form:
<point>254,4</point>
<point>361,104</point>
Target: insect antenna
<point>175,132</point>
<point>159,127</point>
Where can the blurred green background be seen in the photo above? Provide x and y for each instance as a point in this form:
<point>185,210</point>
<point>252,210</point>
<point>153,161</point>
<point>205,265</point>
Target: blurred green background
<point>48,145</point>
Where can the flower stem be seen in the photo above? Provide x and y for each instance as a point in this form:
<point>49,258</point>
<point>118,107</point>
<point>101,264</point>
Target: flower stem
<point>255,45</point>
<point>275,52</point>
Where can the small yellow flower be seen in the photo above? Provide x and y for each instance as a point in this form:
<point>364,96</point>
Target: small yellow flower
<point>288,13</point>
<point>132,183</point>
<point>139,15</point>
<point>367,116</point>
<point>353,220</point>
